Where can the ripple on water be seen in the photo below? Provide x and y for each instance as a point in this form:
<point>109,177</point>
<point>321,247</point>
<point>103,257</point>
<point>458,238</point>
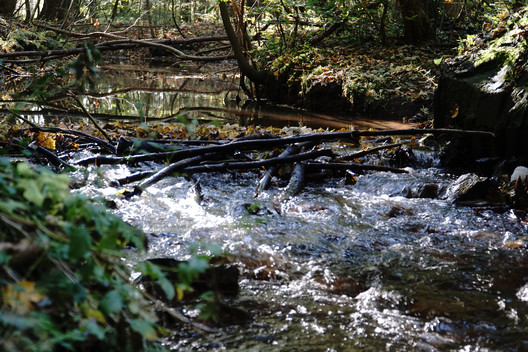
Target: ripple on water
<point>358,267</point>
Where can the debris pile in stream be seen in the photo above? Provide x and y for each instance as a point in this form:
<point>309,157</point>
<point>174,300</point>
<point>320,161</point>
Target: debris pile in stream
<point>287,155</point>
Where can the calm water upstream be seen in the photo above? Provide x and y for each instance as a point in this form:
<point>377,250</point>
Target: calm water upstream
<point>344,267</point>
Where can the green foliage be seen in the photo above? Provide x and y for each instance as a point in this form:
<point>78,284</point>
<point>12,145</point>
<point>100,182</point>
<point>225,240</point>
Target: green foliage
<point>85,66</point>
<point>63,282</point>
<point>502,41</point>
<point>23,39</point>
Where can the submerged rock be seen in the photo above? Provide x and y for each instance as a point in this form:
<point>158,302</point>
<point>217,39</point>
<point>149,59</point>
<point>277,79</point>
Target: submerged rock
<point>521,173</point>
<point>473,190</point>
<point>428,190</point>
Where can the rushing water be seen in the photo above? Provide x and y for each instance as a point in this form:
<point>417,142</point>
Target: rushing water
<point>347,267</point>
<point>340,267</point>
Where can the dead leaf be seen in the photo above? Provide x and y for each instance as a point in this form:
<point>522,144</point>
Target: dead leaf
<point>46,140</point>
<point>454,111</point>
<point>20,296</point>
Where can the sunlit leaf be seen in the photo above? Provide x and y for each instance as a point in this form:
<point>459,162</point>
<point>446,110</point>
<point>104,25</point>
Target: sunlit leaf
<point>20,296</point>
<point>95,314</point>
<point>180,292</point>
<point>454,111</point>
<point>46,140</point>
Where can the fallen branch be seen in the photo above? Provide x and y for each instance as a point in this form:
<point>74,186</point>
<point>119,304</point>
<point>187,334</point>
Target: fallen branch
<point>265,181</point>
<point>256,164</point>
<point>167,171</point>
<point>369,151</point>
<point>53,158</point>
<point>122,43</point>
<point>296,179</point>
<point>353,167</point>
<point>90,117</point>
<point>132,178</point>
<point>259,144</point>
<point>417,131</point>
<point>225,166</point>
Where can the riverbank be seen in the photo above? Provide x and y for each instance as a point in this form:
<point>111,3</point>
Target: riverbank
<point>395,82</point>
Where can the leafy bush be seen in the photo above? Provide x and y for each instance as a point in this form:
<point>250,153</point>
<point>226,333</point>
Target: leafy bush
<point>63,283</point>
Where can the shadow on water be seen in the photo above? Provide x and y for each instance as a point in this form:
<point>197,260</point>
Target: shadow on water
<point>155,94</point>
<point>339,267</point>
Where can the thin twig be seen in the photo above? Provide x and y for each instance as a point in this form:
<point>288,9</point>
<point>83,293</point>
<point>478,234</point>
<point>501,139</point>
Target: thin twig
<point>81,105</point>
<point>23,119</point>
<point>369,151</point>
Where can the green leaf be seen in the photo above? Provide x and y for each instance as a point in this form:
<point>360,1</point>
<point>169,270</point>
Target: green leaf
<point>112,302</point>
<point>152,270</point>
<point>143,327</point>
<point>25,170</point>
<point>17,321</point>
<point>167,287</point>
<point>188,271</point>
<point>32,191</point>
<point>10,205</point>
<point>93,328</point>
<point>198,264</point>
<point>80,241</point>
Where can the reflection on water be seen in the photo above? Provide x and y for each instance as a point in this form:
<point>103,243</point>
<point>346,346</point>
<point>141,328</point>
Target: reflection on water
<point>206,93</point>
<point>349,268</point>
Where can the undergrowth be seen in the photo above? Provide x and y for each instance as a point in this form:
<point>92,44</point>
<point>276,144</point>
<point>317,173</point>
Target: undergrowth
<point>63,283</point>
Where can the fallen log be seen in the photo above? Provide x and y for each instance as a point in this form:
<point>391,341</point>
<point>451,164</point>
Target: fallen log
<point>226,166</point>
<point>369,151</point>
<point>265,181</point>
<point>168,171</point>
<point>353,167</point>
<point>296,182</point>
<point>259,144</point>
<point>123,44</point>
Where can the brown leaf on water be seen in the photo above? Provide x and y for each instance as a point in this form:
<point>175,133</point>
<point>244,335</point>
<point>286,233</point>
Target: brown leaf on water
<point>454,111</point>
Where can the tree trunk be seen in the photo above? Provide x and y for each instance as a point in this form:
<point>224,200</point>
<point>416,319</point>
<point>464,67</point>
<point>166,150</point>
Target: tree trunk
<point>416,24</point>
<point>29,14</point>
<point>148,8</point>
<point>7,7</point>
<point>249,71</point>
<point>58,9</point>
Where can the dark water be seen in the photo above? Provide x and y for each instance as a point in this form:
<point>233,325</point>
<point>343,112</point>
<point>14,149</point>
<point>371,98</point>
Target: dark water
<point>338,267</point>
<point>204,93</point>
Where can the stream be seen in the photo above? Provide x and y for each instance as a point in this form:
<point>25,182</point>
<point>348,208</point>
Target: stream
<point>338,267</point>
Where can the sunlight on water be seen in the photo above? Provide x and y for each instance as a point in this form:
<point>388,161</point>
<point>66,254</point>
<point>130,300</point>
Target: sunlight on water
<point>347,268</point>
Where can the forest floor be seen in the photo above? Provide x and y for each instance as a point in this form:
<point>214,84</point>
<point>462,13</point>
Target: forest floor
<point>392,82</point>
